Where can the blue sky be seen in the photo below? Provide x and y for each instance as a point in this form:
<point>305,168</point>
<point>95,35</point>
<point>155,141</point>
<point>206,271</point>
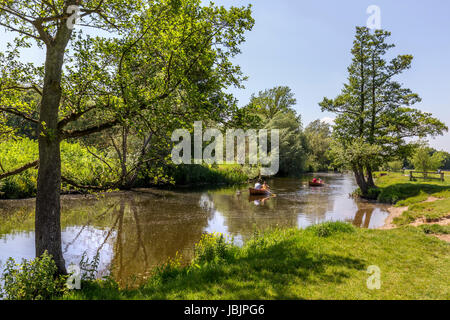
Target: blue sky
<point>306,46</point>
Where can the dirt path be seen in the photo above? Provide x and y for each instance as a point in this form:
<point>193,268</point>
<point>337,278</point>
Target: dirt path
<point>395,212</point>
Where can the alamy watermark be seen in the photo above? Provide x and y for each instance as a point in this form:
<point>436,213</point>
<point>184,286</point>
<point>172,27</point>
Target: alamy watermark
<point>74,17</point>
<point>242,147</point>
<point>374,280</point>
<point>374,20</point>
<point>74,280</point>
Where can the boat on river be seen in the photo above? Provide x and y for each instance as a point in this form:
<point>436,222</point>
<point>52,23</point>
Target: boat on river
<point>257,192</point>
<point>316,184</point>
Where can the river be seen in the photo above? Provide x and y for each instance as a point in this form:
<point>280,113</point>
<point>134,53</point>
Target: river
<point>131,232</point>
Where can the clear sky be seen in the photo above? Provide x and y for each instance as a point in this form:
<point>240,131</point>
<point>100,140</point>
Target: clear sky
<point>306,44</point>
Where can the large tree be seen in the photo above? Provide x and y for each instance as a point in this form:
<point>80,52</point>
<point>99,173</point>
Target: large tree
<point>318,138</point>
<point>374,113</point>
<point>94,91</point>
<point>269,102</point>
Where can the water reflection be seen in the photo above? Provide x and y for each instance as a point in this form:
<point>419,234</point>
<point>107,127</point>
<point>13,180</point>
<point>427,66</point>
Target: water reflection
<point>133,232</point>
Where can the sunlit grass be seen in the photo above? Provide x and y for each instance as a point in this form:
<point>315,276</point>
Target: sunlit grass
<point>430,211</point>
<point>325,262</point>
<point>397,186</point>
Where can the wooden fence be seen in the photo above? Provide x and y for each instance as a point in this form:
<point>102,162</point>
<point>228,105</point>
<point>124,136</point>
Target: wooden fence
<point>426,176</point>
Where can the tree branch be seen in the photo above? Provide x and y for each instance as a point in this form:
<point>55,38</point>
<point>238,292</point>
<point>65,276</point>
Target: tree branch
<point>19,170</point>
<point>76,185</point>
<point>88,131</point>
<point>73,117</point>
<point>19,114</point>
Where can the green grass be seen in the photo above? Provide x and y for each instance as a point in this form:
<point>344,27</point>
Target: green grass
<point>431,211</point>
<point>396,187</point>
<point>421,197</point>
<point>435,229</point>
<point>321,262</point>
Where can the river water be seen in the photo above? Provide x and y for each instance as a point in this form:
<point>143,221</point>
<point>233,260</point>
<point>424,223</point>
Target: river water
<point>132,232</point>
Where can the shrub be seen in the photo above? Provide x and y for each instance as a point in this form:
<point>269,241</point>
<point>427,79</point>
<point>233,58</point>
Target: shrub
<point>171,269</point>
<point>212,248</point>
<point>329,228</point>
<point>32,279</point>
<point>372,193</point>
<point>204,174</point>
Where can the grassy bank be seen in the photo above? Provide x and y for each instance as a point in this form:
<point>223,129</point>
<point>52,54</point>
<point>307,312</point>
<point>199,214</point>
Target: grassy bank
<point>396,187</point>
<point>427,201</point>
<point>328,261</point>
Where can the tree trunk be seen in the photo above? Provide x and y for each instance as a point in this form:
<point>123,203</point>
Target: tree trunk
<point>370,181</point>
<point>124,178</point>
<point>360,180</point>
<point>48,210</point>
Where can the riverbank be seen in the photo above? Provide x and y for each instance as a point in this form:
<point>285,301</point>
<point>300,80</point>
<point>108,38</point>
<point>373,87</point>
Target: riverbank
<point>328,261</point>
<point>424,204</point>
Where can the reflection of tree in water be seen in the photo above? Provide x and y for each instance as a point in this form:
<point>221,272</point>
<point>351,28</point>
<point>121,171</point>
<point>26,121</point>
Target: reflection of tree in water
<point>363,215</point>
<point>243,216</point>
<point>152,230</point>
<point>143,229</point>
<point>315,203</point>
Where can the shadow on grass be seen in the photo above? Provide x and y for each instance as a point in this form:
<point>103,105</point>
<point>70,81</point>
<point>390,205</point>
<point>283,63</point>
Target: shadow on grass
<point>268,272</point>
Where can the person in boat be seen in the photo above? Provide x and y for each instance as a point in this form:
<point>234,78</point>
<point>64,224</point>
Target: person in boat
<point>314,180</point>
<point>258,185</point>
<point>265,186</point>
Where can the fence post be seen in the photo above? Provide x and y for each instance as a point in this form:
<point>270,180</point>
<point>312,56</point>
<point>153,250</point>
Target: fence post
<point>442,177</point>
<point>410,176</point>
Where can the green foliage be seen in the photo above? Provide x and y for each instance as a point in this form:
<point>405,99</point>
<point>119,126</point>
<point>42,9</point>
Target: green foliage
<point>395,166</point>
<point>423,160</point>
<point>83,167</point>
<point>268,103</point>
<point>212,248</point>
<point>330,228</point>
<point>318,139</point>
<point>293,149</point>
<point>77,164</point>
<point>168,271</point>
<point>354,154</point>
<point>32,280</point>
<point>446,162</point>
<point>373,193</point>
<point>374,114</point>
<point>204,174</point>
<point>88,268</point>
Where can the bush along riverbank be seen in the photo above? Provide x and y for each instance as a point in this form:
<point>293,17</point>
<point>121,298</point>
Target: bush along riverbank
<point>326,261</point>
